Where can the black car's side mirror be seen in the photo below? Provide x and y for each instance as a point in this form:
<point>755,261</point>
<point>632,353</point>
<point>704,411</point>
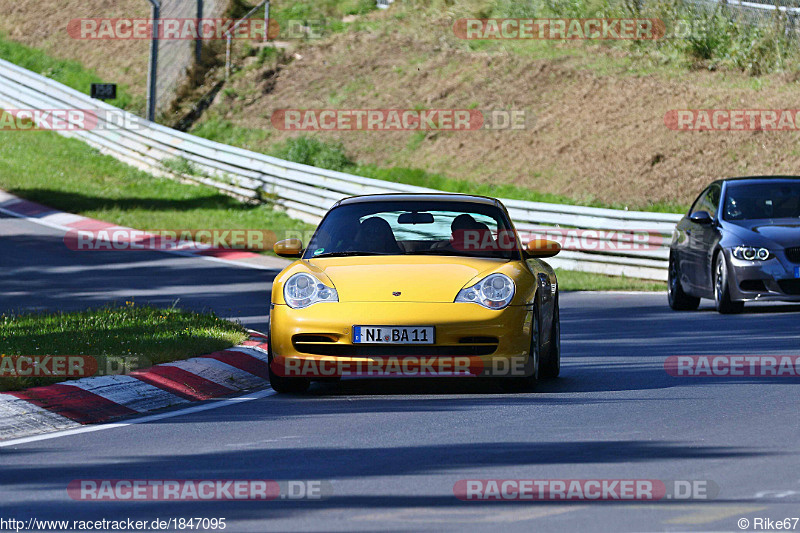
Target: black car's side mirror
<point>701,217</point>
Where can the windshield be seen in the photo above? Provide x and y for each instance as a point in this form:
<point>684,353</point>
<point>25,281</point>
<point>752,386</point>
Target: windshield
<point>414,228</point>
<point>765,200</point>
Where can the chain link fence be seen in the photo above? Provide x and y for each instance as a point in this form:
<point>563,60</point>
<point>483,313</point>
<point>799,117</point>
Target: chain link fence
<point>756,14</point>
<point>176,56</point>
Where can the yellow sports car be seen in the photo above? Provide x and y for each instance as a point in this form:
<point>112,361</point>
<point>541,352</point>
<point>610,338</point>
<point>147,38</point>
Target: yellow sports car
<point>414,285</point>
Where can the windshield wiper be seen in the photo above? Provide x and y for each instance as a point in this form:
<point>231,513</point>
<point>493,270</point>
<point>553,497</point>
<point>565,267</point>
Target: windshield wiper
<point>457,253</point>
<point>347,254</point>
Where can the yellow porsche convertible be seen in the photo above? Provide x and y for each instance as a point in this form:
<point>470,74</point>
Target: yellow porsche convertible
<point>414,285</point>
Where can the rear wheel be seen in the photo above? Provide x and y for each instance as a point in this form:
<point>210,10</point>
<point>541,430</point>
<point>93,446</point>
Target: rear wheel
<point>678,299</point>
<point>551,361</point>
<point>722,289</point>
<point>283,384</point>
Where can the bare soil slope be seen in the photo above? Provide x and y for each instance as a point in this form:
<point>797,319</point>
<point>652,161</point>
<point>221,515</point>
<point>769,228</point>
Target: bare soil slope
<point>599,131</point>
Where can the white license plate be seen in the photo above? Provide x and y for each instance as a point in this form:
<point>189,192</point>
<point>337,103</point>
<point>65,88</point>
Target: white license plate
<point>393,335</point>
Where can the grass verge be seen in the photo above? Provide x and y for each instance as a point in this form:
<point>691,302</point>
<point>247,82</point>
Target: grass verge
<point>569,280</point>
<point>118,338</point>
<point>70,175</point>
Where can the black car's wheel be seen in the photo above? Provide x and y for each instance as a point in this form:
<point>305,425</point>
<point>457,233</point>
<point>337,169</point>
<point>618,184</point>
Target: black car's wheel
<point>283,384</point>
<point>722,290</point>
<point>529,381</point>
<point>678,299</point>
<point>551,360</point>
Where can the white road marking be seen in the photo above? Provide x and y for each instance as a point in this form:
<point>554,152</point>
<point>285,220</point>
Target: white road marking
<point>173,252</point>
<point>205,406</point>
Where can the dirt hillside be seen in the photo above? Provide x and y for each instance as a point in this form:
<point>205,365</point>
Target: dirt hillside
<point>599,131</point>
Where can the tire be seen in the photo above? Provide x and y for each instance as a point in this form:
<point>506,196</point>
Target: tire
<point>528,383</point>
<point>282,384</point>
<point>678,299</point>
<point>551,361</point>
<point>722,289</point>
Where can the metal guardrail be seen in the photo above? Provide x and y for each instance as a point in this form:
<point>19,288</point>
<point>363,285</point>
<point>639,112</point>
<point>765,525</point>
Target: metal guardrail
<point>307,192</point>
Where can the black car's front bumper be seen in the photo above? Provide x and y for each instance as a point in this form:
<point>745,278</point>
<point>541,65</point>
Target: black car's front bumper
<point>776,279</point>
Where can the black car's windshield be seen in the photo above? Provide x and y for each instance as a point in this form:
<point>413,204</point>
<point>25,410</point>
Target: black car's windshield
<point>762,200</point>
<point>422,227</point>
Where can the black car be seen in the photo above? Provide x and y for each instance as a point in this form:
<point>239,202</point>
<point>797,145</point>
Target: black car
<point>739,242</point>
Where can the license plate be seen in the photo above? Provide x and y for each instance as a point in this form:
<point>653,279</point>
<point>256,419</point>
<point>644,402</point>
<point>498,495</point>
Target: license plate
<point>393,335</point>
<point>797,272</point>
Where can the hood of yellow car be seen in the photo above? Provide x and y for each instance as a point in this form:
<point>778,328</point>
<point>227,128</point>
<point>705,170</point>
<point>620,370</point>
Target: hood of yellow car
<point>415,278</point>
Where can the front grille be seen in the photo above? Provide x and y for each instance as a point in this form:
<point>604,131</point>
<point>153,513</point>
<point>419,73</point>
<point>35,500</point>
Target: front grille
<point>371,350</point>
<point>790,286</point>
<point>793,254</point>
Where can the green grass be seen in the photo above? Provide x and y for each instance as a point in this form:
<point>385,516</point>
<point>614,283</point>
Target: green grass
<point>586,281</point>
<point>117,337</point>
<point>70,73</point>
<point>69,175</point>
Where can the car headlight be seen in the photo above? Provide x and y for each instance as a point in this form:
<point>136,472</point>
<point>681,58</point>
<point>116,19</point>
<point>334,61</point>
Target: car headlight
<point>495,291</point>
<point>303,290</point>
<point>751,253</point>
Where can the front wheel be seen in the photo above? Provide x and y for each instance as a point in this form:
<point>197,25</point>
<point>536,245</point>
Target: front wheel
<point>678,299</point>
<point>722,289</point>
<point>283,384</point>
<point>530,380</point>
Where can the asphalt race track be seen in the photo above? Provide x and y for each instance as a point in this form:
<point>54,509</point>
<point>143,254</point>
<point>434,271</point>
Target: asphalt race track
<point>392,450</point>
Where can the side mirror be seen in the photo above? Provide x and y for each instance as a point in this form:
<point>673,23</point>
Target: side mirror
<point>288,248</point>
<point>701,217</point>
<point>542,248</point>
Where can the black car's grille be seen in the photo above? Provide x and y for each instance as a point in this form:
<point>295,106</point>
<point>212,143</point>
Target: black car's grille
<point>793,254</point>
<point>790,286</point>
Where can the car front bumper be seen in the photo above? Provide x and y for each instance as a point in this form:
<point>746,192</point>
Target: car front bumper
<point>317,341</point>
<point>776,279</point>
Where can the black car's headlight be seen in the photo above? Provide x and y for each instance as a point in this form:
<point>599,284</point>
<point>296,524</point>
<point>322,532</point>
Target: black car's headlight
<point>303,290</point>
<point>751,253</point>
<point>495,291</point>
